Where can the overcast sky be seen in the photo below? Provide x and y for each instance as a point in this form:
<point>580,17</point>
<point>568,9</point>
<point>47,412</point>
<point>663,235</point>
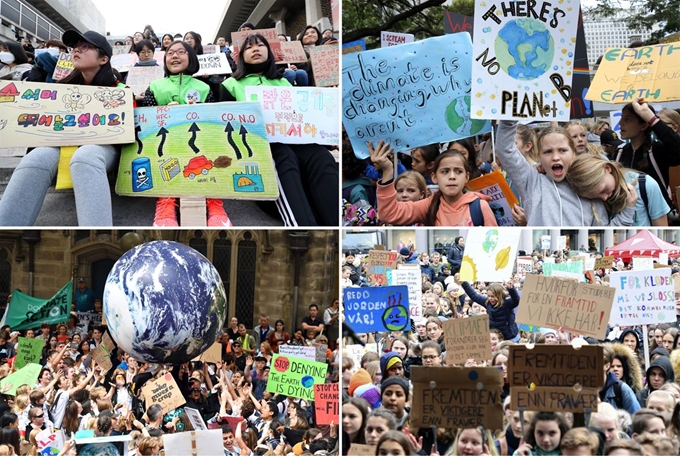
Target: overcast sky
<point>125,17</point>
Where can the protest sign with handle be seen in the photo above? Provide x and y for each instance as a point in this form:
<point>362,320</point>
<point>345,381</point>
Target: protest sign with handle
<point>470,337</point>
<point>327,403</point>
<point>295,377</point>
<point>163,391</point>
<point>551,302</point>
<point>380,309</point>
<point>28,351</point>
<point>195,419</point>
<point>194,443</point>
<point>523,60</point>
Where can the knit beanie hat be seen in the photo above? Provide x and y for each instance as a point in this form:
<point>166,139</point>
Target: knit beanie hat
<point>369,393</point>
<point>361,377</point>
<point>394,381</point>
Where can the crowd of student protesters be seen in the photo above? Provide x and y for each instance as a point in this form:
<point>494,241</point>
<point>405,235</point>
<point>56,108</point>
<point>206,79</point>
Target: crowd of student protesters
<point>639,405</point>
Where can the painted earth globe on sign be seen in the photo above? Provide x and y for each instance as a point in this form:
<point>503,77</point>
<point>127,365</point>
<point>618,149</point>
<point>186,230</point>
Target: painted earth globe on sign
<point>524,48</point>
<point>458,118</point>
<point>164,302</point>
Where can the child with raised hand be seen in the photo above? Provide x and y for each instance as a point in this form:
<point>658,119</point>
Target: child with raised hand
<point>179,87</point>
<point>450,206</point>
<point>638,121</point>
<point>593,176</point>
<point>547,197</point>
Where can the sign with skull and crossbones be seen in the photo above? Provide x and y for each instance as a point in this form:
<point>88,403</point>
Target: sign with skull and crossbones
<point>142,178</point>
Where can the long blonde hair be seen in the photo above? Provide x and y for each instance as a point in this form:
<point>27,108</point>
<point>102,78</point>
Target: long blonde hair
<point>487,439</point>
<point>587,172</point>
<point>528,135</point>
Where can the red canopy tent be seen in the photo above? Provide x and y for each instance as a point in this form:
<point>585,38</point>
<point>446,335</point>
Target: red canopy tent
<point>643,243</point>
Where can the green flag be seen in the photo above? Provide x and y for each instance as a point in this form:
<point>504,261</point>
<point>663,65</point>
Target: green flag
<point>25,312</point>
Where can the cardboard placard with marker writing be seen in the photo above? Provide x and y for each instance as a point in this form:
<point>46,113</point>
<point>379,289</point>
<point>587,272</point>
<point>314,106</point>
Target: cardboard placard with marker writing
<point>457,397</point>
<point>379,264</point>
<point>552,302</point>
<point>327,403</point>
<point>606,262</point>
<point>555,378</point>
<point>163,391</point>
<point>470,337</point>
<point>211,150</point>
<point>326,64</point>
<point>102,352</point>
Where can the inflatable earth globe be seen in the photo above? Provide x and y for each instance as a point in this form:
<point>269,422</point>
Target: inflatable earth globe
<point>164,303</point>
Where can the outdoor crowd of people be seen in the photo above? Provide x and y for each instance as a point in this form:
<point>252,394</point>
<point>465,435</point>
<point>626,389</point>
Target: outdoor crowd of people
<point>639,404</point>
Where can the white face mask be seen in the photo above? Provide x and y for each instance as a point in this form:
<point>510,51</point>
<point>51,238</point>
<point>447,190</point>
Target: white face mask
<point>6,57</point>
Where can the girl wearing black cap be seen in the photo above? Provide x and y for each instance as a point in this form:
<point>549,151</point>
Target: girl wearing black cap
<point>89,165</point>
<point>308,174</point>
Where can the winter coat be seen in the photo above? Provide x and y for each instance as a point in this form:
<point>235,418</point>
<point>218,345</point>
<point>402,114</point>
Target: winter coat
<point>456,257</point>
<point>629,401</point>
<point>634,371</point>
<point>501,318</point>
<point>665,364</point>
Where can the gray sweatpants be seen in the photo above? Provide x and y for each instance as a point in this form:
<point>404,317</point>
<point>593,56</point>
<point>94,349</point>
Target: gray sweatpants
<point>26,190</point>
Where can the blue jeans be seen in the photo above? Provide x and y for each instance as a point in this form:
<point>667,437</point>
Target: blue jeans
<point>296,77</point>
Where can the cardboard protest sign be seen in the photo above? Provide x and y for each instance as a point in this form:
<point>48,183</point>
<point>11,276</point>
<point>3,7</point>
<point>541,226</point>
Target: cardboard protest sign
<point>195,443</point>
<point>213,354</point>
<point>117,445</point>
<point>211,150</point>
<point>320,352</point>
<point>409,95</point>
<point>28,351</point>
<point>451,397</point>
<point>455,23</point>
<point>299,115</point>
<point>295,377</point>
<point>580,107</point>
<point>213,64</point>
<point>605,262</point>
<point>503,199</point>
<point>27,375</point>
<point>524,265</point>
<point>469,337</point>
<point>41,114</point>
<point>163,391</point>
<point>523,60</point>
<point>326,64</point>
<point>643,297</point>
<point>551,372</point>
<point>353,46</point>
<point>102,352</point>
<point>388,39</point>
<point>64,66</point>
<point>411,277</point>
<point>643,263</point>
<point>575,267</point>
<point>298,351</point>
<point>380,309</point>
<point>489,254</point>
<point>210,48</point>
<point>551,302</point>
<point>139,78</point>
<point>124,62</point>
<point>195,419</point>
<point>290,51</point>
<point>327,403</point>
<point>625,74</point>
<point>379,263</point>
<point>357,449</point>
<point>50,440</point>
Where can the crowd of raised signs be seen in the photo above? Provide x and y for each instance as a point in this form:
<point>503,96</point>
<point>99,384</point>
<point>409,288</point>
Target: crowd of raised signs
<point>85,394</point>
<point>396,403</point>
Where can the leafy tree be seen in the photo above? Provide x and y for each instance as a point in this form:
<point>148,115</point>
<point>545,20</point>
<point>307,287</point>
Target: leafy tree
<point>643,15</point>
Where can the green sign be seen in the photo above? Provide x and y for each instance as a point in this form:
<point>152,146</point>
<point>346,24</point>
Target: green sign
<point>28,351</point>
<point>26,312</point>
<point>27,375</point>
<point>575,267</point>
<point>295,377</point>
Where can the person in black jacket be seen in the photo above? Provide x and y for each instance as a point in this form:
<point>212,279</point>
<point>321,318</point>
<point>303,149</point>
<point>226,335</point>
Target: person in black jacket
<point>499,305</point>
<point>455,256</point>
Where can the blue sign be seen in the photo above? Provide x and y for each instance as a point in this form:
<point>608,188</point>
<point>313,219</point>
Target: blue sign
<point>410,95</point>
<point>353,44</point>
<point>377,309</point>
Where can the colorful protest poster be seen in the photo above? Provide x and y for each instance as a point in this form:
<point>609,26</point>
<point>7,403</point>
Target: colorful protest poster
<point>102,352</point>
<point>354,46</point>
<point>625,74</point>
<point>575,267</point>
<point>124,62</point>
<point>412,278</point>
<point>523,60</point>
<point>299,115</point>
<point>450,397</point>
<point>409,95</point>
<point>119,50</point>
<point>525,265</point>
<point>210,49</point>
<point>380,309</point>
<point>41,114</point>
<point>28,351</point>
<point>470,337</point>
<point>356,352</point>
<point>114,445</point>
<point>561,242</point>
<point>163,391</point>
<point>326,64</point>
<point>643,263</point>
<point>605,262</point>
<point>378,264</point>
<point>489,254</point>
<point>545,242</point>
<point>64,66</point>
<point>195,443</point>
<point>388,39</point>
<point>211,150</point>
<point>552,371</point>
<point>327,403</point>
<point>213,64</point>
<point>455,23</point>
<point>642,297</point>
<point>50,442</point>
<point>195,419</point>
<point>552,302</point>
<point>139,78</point>
<point>27,312</point>
<point>27,375</point>
<point>503,199</point>
<point>298,351</point>
<point>580,107</point>
<point>295,377</point>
